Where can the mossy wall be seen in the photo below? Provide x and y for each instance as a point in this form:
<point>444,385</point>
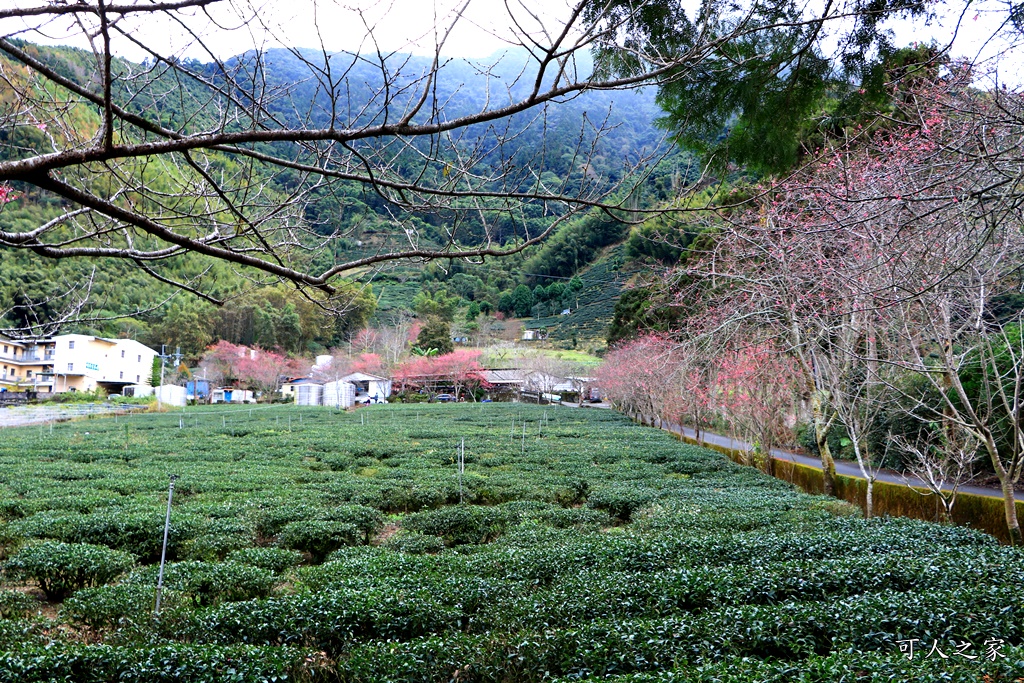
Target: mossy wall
<point>984,513</point>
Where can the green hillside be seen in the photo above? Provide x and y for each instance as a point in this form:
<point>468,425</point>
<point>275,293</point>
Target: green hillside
<point>121,298</point>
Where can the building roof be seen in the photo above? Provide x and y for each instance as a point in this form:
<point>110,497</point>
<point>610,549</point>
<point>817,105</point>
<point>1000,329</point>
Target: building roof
<point>503,376</point>
<point>303,380</point>
<point>363,377</point>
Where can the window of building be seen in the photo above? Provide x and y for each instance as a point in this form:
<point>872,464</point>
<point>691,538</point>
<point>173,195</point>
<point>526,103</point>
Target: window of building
<point>122,353</point>
<point>71,344</point>
<point>5,348</point>
<point>137,379</point>
<point>122,375</point>
<point>140,357</point>
<point>71,367</point>
<point>29,374</point>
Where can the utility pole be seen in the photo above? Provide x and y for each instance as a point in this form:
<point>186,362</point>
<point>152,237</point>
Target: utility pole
<point>163,363</point>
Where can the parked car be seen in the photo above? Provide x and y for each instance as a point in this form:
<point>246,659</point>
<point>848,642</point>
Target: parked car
<point>444,398</point>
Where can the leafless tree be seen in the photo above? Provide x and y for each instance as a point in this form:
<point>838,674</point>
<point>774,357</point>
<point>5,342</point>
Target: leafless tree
<point>943,464</point>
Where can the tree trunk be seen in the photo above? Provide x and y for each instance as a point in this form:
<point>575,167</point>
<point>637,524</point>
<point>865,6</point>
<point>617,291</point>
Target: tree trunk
<point>869,500</point>
<point>947,507</point>
<point>1010,505</point>
<point>1006,484</point>
<point>828,465</point>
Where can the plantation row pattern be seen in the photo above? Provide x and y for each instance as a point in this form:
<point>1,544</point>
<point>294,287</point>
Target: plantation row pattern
<point>310,544</point>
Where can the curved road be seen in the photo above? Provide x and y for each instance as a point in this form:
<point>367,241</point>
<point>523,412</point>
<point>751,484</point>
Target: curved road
<point>844,467</point>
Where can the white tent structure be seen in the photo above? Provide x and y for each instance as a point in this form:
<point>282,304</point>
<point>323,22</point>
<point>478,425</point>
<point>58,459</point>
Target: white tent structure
<point>339,394</point>
<point>171,395</point>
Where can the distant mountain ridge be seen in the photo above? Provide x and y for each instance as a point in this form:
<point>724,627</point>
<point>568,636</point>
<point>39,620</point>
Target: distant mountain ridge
<point>589,135</point>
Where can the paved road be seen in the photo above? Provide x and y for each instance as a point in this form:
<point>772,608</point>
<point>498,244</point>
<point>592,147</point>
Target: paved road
<point>850,469</point>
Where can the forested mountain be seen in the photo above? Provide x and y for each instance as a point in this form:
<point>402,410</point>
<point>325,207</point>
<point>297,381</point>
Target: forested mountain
<point>590,139</point>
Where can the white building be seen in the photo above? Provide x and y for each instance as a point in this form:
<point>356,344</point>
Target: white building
<point>84,363</point>
<point>369,388</point>
<point>232,395</point>
<point>78,362</point>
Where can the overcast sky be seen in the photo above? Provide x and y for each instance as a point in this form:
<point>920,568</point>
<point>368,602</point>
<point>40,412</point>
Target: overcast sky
<point>415,25</point>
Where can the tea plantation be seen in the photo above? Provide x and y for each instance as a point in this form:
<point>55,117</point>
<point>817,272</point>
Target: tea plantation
<point>312,545</point>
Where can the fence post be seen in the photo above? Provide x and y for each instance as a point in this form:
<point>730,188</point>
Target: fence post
<point>163,552</point>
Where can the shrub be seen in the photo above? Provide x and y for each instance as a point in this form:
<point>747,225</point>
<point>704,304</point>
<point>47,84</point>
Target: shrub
<point>14,604</point>
<point>460,524</point>
<point>269,522</point>
<point>319,538</point>
<point>63,568</point>
<point>415,543</point>
<point>276,560</point>
<point>368,520</point>
<point>330,620</point>
<point>163,664</point>
<point>107,606</point>
<point>620,501</point>
<point>138,532</point>
<point>212,547</point>
<point>209,583</point>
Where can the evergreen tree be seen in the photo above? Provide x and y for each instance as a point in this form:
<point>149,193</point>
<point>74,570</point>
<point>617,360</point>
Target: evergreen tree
<point>154,375</point>
<point>522,301</point>
<point>505,303</point>
<point>289,328</point>
<point>436,334</point>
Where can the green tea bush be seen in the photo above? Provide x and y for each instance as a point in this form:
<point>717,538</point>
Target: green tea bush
<point>62,568</point>
<point>554,515</point>
<point>460,524</point>
<point>415,543</point>
<point>209,583</point>
<point>15,604</point>
<point>329,620</point>
<point>276,560</point>
<point>107,606</point>
<point>16,634</point>
<point>140,533</point>
<point>12,509</point>
<point>174,663</point>
<point>620,501</point>
<point>366,519</point>
<point>395,498</point>
<point>269,522</point>
<point>212,547</point>
<point>319,538</point>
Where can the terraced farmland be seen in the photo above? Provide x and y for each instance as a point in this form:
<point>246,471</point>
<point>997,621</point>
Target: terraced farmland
<point>308,544</point>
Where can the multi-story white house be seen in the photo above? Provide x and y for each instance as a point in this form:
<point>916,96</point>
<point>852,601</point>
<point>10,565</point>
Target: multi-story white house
<point>75,362</point>
<point>24,366</point>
